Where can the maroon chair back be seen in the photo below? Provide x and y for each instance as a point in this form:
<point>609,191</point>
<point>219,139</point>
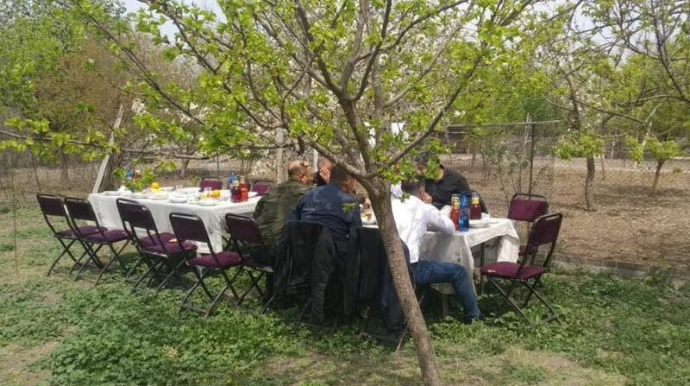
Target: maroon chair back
<point>80,210</point>
<point>136,216</point>
<point>188,227</point>
<point>261,188</point>
<point>527,207</point>
<point>210,182</point>
<point>243,229</point>
<point>52,206</point>
<point>545,231</point>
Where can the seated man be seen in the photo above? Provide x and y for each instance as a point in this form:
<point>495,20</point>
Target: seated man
<point>412,218</point>
<point>444,185</point>
<point>278,203</point>
<point>323,174</point>
<point>332,206</point>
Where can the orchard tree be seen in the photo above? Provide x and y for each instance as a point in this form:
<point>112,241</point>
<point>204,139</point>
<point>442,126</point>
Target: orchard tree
<point>330,75</point>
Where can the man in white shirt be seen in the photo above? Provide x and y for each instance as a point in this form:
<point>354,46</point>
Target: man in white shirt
<point>412,217</point>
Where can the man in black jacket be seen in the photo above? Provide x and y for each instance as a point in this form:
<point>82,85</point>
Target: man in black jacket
<point>444,184</point>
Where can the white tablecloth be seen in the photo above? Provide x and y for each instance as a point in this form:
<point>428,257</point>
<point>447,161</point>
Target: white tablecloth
<point>501,242</point>
<point>213,217</point>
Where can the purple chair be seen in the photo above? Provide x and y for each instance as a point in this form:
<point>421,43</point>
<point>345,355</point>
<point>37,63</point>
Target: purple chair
<point>261,188</point>
<point>190,228</point>
<point>157,249</point>
<point>527,208</point>
<point>246,240</point>
<point>52,207</point>
<point>79,210</point>
<point>544,231</point>
<point>210,182</point>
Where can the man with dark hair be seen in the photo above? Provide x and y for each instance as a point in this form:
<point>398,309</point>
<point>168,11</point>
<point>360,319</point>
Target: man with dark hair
<point>332,206</point>
<point>412,217</point>
<point>276,205</point>
<point>444,184</point>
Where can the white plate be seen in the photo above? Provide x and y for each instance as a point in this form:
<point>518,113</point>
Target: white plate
<point>478,224</point>
<point>113,193</point>
<point>208,202</point>
<point>158,197</point>
<point>190,190</point>
<point>167,189</point>
<point>137,195</point>
<point>178,199</point>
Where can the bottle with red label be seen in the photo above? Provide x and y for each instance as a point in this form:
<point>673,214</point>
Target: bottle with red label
<point>475,207</point>
<point>244,190</point>
<point>235,193</point>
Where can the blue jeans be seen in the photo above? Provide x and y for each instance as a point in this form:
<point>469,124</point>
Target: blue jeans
<point>429,272</point>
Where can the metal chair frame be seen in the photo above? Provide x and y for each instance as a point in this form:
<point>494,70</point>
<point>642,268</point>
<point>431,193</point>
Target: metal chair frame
<point>182,226</point>
<point>531,283</point>
<point>81,210</point>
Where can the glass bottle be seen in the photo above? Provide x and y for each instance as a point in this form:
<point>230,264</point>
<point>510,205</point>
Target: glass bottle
<point>475,207</point>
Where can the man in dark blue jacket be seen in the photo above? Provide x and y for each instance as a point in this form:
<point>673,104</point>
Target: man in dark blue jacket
<point>332,206</point>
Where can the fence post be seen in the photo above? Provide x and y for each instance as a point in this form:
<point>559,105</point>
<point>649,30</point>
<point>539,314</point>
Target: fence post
<point>531,157</point>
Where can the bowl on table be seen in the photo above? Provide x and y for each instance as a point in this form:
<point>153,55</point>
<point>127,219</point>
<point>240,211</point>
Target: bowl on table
<point>482,223</point>
<point>158,196</point>
<point>177,199</point>
<point>167,189</point>
<point>138,195</point>
<point>208,202</point>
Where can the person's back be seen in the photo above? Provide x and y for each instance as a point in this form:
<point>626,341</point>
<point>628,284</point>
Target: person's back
<point>331,206</point>
<point>275,207</point>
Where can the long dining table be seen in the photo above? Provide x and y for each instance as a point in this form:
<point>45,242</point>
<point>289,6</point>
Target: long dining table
<point>105,208</point>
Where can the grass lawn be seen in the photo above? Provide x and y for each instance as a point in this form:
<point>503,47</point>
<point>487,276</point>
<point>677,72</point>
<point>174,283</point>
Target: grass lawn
<point>54,331</point>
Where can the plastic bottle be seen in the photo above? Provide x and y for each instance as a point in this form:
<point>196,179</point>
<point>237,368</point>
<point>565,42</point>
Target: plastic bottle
<point>235,193</point>
<point>231,180</point>
<point>455,210</point>
<point>464,223</point>
<point>475,207</point>
<point>129,175</point>
<point>244,191</point>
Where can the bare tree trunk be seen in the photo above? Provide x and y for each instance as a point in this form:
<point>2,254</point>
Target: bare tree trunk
<point>657,173</point>
<point>589,184</point>
<point>603,168</point>
<point>183,168</point>
<point>379,193</point>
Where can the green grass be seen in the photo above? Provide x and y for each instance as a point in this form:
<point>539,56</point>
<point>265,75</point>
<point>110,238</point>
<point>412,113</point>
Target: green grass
<point>54,331</point>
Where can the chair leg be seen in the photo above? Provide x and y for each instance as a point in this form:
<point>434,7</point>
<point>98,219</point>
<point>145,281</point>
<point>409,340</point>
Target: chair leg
<point>116,257</point>
<point>543,300</point>
<point>65,251</point>
<point>151,270</point>
<point>174,271</point>
<point>199,282</point>
<point>508,299</point>
<point>93,256</point>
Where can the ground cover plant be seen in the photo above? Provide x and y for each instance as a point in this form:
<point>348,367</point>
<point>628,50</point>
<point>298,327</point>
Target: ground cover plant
<point>54,331</point>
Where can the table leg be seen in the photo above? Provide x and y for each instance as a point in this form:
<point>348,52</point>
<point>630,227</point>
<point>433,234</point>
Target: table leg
<point>482,253</point>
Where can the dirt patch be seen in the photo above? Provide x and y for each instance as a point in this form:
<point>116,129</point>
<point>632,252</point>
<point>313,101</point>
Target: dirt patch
<point>15,362</point>
<point>513,367</point>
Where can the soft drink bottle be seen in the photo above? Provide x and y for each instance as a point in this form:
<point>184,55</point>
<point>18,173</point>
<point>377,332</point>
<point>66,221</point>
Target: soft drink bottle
<point>244,191</point>
<point>475,207</point>
<point>231,180</point>
<point>464,223</point>
<point>129,175</point>
<point>455,210</point>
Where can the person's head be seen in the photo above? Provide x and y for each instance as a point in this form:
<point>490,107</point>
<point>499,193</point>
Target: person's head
<point>342,178</point>
<point>299,171</point>
<point>414,187</point>
<point>324,163</point>
<point>425,160</point>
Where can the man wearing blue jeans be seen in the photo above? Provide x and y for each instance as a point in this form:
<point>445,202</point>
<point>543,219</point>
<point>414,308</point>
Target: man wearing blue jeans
<point>412,217</point>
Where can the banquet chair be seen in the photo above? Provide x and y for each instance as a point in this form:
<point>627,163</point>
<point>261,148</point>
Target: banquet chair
<point>79,210</point>
<point>190,228</point>
<point>157,249</point>
<point>261,188</point>
<point>545,230</point>
<point>526,208</point>
<point>246,240</point>
<point>52,207</point>
<point>210,182</point>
